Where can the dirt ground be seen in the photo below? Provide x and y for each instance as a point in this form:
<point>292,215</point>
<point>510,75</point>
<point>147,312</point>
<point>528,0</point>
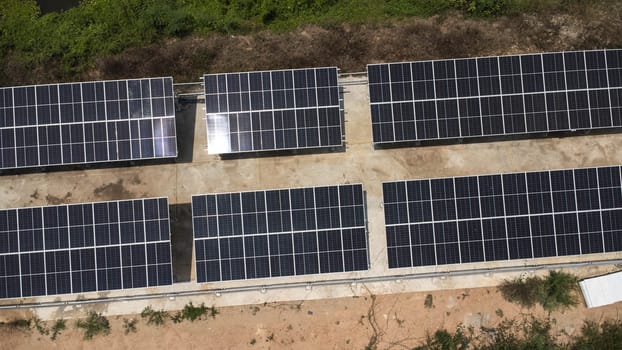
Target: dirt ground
<point>398,321</point>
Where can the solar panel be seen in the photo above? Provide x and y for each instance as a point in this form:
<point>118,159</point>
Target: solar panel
<point>79,248</point>
<point>495,96</point>
<point>275,233</point>
<point>273,110</point>
<point>504,216</point>
<point>87,122</point>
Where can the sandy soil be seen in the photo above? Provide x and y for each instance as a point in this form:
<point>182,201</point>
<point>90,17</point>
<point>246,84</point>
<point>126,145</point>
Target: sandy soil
<point>399,321</point>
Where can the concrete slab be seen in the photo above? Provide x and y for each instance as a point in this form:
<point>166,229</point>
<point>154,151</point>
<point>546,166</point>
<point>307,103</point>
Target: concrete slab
<point>197,172</point>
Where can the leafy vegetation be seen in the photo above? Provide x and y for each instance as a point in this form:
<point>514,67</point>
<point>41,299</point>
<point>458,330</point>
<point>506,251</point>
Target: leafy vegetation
<point>444,340</point>
<point>556,291</point>
<point>94,324</point>
<point>429,301</point>
<point>57,328</point>
<point>73,39</point>
<point>129,325</point>
<point>192,313</point>
<point>607,335</point>
<point>528,334</point>
<point>154,317</point>
<point>22,324</point>
<point>40,326</point>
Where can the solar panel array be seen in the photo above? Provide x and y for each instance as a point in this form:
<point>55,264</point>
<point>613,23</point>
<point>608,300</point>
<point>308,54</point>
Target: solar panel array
<point>505,95</point>
<point>80,248</point>
<point>507,216</point>
<point>272,110</point>
<point>77,123</point>
<point>276,233</point>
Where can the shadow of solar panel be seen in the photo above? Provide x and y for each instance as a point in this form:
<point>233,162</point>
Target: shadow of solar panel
<point>495,96</point>
<point>503,217</point>
<point>286,232</point>
<point>273,110</point>
<point>81,248</point>
<point>87,122</point>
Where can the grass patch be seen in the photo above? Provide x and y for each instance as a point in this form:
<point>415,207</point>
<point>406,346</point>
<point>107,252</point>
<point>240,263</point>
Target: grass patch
<point>57,328</point>
<point>192,313</point>
<point>73,39</point>
<point>94,324</point>
<point>154,317</point>
<point>556,291</point>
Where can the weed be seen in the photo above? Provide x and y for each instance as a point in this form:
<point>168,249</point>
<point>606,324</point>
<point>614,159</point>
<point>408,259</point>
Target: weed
<point>40,326</point>
<point>192,313</point>
<point>499,312</point>
<point>154,317</point>
<point>94,324</point>
<point>129,325</point>
<point>57,328</point>
<point>555,291</point>
<point>429,301</point>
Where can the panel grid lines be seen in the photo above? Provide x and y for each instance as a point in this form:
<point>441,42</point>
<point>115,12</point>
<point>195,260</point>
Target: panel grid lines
<point>494,96</point>
<point>87,122</point>
<point>273,110</point>
<point>78,248</point>
<point>503,216</point>
<point>286,232</point>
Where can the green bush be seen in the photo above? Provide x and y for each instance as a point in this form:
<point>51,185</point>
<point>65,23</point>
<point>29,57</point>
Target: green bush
<point>154,317</point>
<point>607,335</point>
<point>444,340</point>
<point>57,328</point>
<point>192,313</point>
<point>554,292</point>
<point>520,290</point>
<point>94,324</point>
<point>129,325</point>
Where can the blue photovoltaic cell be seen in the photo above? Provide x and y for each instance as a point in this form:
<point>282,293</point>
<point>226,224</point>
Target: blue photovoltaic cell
<point>492,96</point>
<point>276,233</point>
<point>273,110</point>
<point>77,123</point>
<point>80,248</point>
<point>505,216</point>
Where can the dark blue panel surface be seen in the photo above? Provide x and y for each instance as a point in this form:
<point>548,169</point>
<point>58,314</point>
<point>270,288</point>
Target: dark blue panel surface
<point>280,232</point>
<point>504,95</point>
<point>503,216</point>
<point>77,248</point>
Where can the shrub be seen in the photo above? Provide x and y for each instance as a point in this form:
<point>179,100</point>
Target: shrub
<point>558,291</point>
<point>129,325</point>
<point>444,340</point>
<point>154,317</point>
<point>555,291</point>
<point>521,290</point>
<point>94,324</point>
<point>607,335</point>
<point>429,301</point>
<point>58,327</point>
<point>192,312</point>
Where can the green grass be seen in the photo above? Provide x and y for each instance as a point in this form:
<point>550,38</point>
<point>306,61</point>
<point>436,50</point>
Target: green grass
<point>556,291</point>
<point>73,39</point>
<point>57,328</point>
<point>154,317</point>
<point>94,324</point>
